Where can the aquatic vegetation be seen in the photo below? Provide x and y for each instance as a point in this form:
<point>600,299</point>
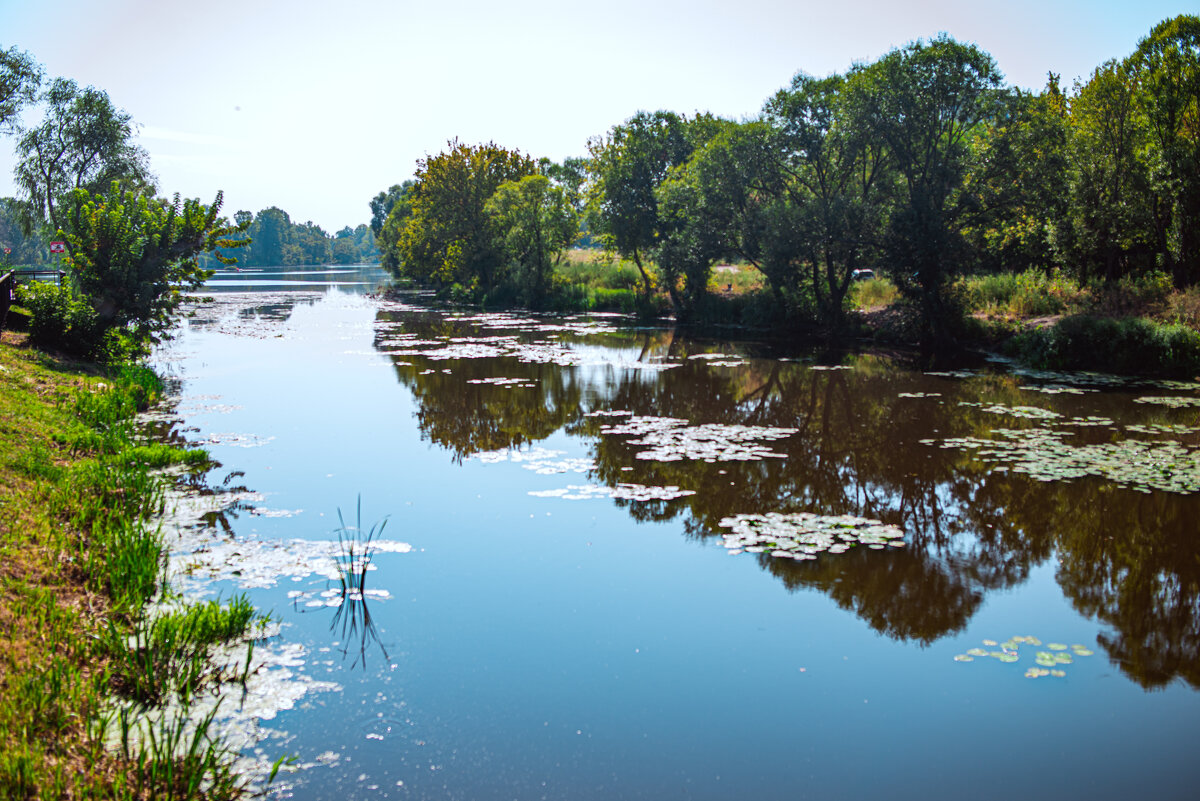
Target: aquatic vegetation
<point>503,382</point>
<point>803,535</point>
<point>953,373</point>
<point>170,653</point>
<point>621,492</point>
<point>672,439</point>
<point>1162,428</point>
<point>1048,663</point>
<point>542,461</point>
<point>235,440</point>
<point>255,564</point>
<point>1058,389</point>
<point>1026,412</point>
<point>1043,455</point>
<point>1171,402</point>
<point>356,546</point>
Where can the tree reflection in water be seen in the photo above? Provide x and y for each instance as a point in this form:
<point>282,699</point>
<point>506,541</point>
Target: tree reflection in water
<point>1128,559</point>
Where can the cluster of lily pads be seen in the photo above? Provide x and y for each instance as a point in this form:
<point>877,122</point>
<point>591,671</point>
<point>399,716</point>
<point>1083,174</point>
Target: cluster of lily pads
<point>1026,412</point>
<point>543,461</point>
<point>1049,662</point>
<point>1043,455</point>
<point>544,352</point>
<point>1171,402</point>
<point>1162,428</point>
<point>234,440</point>
<point>335,598</point>
<point>254,564</point>
<point>803,535</point>
<point>671,439</point>
<point>621,492</point>
<point>503,382</point>
<point>1057,389</point>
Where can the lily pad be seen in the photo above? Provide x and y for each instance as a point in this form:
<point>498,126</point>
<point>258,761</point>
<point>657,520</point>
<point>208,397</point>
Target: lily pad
<point>804,535</point>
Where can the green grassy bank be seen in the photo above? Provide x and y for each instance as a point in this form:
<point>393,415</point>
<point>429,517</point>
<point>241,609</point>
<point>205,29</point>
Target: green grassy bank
<point>80,562</point>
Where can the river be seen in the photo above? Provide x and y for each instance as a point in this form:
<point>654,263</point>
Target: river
<point>611,561</point>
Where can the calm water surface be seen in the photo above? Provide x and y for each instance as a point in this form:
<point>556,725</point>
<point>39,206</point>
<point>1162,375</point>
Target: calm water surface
<point>569,624</point>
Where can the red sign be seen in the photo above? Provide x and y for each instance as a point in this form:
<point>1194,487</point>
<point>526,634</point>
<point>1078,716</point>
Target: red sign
<point>58,247</point>
<point>7,251</point>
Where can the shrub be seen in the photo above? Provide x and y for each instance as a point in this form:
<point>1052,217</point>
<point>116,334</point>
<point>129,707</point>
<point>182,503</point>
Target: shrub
<point>60,319</point>
<point>1134,346</point>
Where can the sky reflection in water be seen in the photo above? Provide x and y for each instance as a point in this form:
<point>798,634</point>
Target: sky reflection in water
<point>607,647</point>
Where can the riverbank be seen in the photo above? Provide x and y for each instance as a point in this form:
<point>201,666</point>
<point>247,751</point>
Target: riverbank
<point>1138,326</point>
<point>80,561</point>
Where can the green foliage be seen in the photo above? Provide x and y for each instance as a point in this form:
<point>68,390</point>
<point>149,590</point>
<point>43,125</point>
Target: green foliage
<point>448,237</point>
<point>133,257</point>
<point>60,318</point>
<point>535,223</point>
<point>1166,69</point>
<point>626,168</point>
<point>873,292</point>
<point>1133,346</point>
<point>924,101</point>
<point>1032,293</point>
<point>1018,182</point>
<point>20,77</point>
<point>84,142</point>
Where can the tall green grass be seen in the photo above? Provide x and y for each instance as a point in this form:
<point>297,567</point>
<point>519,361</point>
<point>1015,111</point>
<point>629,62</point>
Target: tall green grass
<point>1029,294</point>
<point>88,495</point>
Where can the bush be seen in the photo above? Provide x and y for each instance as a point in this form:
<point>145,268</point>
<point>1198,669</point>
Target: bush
<point>1141,295</point>
<point>60,319</point>
<point>1133,346</point>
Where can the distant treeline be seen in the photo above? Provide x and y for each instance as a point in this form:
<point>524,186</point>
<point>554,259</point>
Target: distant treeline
<point>922,165</point>
<point>276,240</point>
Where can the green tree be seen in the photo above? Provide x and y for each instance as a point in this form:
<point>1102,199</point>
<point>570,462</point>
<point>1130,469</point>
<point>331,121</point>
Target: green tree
<point>837,176</point>
<point>1018,180</point>
<point>535,222</point>
<point>1166,69</point>
<point>133,257</point>
<point>271,233</point>
<point>84,142</point>
<point>447,237</point>
<point>925,101</point>
<point>20,77</point>
<point>627,167</point>
<point>1112,220</point>
<point>395,206</point>
<point>383,203</point>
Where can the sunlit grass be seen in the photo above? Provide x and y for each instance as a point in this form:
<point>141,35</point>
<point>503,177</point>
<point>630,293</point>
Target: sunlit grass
<point>79,561</point>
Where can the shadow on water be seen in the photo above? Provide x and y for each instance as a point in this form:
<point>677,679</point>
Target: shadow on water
<point>861,446</point>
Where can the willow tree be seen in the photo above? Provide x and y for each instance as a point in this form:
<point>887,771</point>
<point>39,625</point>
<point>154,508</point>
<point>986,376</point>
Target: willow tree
<point>84,142</point>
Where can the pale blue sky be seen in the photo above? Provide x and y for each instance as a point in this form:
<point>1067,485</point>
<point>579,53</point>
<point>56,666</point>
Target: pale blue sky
<point>316,106</point>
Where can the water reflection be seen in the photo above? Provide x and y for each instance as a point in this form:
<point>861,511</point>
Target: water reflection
<point>486,384</point>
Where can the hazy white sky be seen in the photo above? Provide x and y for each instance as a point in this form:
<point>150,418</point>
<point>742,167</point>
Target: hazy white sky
<point>317,106</point>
